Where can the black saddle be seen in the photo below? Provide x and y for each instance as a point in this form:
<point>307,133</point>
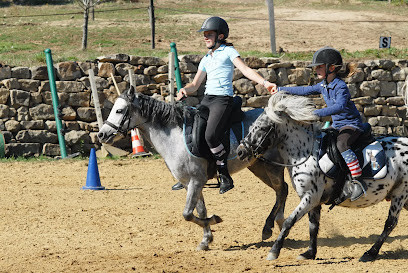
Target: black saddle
<point>195,123</point>
<point>367,150</point>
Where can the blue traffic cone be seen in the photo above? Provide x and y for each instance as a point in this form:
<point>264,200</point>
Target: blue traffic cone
<point>93,182</point>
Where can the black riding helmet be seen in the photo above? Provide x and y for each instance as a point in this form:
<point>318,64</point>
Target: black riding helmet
<point>328,56</point>
<point>216,24</point>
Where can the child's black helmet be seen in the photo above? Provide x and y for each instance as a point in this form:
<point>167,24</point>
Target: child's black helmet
<point>327,55</point>
<point>216,24</point>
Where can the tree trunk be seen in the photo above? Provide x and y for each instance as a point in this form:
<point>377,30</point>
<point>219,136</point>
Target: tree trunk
<point>85,29</point>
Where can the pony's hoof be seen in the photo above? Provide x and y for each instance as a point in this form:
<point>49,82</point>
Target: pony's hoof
<point>308,255</point>
<point>367,257</point>
<point>271,256</point>
<point>217,219</point>
<point>203,247</point>
<point>266,233</point>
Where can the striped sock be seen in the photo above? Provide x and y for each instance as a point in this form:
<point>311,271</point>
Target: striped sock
<point>352,162</point>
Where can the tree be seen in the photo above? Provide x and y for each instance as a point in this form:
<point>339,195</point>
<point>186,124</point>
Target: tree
<point>86,5</point>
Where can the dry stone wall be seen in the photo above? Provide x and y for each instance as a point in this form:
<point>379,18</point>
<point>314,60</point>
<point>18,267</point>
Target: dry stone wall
<point>27,118</point>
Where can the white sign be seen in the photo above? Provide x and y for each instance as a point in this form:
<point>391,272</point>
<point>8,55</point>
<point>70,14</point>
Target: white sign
<point>385,42</point>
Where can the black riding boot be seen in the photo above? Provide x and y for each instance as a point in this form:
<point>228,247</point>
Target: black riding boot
<point>224,178</point>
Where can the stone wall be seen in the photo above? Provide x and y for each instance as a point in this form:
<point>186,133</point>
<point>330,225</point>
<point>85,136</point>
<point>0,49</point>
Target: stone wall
<point>27,118</point>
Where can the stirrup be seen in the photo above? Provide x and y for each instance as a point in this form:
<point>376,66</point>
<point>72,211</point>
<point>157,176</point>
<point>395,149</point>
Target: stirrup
<point>359,188</point>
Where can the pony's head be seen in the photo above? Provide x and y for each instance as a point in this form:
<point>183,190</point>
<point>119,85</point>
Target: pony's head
<point>125,115</point>
<point>258,140</point>
<point>263,133</point>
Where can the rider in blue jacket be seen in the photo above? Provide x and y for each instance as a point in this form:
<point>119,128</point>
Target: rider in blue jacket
<point>346,119</point>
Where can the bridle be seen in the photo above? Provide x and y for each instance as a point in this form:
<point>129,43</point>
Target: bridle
<point>259,154</point>
<point>120,128</point>
<point>260,147</point>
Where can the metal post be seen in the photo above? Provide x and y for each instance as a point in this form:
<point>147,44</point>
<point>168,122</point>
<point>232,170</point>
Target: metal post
<point>272,25</point>
<point>54,95</point>
<point>152,22</point>
<point>176,66</point>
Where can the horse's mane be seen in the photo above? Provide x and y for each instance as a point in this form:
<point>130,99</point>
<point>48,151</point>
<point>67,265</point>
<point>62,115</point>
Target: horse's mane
<point>160,112</point>
<point>298,108</point>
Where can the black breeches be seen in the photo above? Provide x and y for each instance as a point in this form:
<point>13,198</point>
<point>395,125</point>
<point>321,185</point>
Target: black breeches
<point>220,110</point>
<point>347,136</point>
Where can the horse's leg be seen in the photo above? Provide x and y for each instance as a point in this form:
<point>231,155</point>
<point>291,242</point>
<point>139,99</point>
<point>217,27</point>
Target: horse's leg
<point>274,178</point>
<point>202,214</point>
<point>304,207</point>
<point>397,202</point>
<point>194,194</point>
<point>314,221</point>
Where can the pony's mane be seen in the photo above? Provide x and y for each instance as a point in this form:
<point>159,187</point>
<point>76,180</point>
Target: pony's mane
<point>299,108</point>
<point>160,112</point>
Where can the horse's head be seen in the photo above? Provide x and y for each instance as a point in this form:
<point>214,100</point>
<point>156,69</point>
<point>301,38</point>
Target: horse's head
<point>260,137</point>
<point>123,117</point>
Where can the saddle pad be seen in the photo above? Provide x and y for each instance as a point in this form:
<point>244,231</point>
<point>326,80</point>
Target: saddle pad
<point>236,135</point>
<point>372,160</point>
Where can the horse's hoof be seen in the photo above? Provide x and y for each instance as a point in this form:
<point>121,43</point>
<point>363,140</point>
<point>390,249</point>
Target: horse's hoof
<point>306,256</point>
<point>271,256</point>
<point>367,257</point>
<point>217,219</point>
<point>266,234</point>
<point>202,246</point>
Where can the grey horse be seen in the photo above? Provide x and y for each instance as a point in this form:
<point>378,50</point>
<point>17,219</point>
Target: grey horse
<point>288,127</point>
<point>161,124</point>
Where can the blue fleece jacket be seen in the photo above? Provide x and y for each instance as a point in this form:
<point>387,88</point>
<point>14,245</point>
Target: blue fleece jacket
<point>338,100</point>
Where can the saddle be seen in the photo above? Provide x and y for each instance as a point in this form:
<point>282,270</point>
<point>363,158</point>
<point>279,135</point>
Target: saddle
<point>369,152</point>
<point>195,123</point>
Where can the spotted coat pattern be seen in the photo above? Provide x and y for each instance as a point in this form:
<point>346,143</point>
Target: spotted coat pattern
<point>294,141</point>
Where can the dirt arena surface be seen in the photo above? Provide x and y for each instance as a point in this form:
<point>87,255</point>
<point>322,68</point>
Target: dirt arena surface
<point>49,224</point>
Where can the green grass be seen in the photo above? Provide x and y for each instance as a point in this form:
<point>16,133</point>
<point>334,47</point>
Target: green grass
<point>23,39</point>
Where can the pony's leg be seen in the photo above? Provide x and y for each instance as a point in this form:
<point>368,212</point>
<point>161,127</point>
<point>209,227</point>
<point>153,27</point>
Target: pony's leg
<point>397,202</point>
<point>274,178</point>
<point>202,214</point>
<point>304,207</point>
<point>314,222</point>
<point>194,194</point>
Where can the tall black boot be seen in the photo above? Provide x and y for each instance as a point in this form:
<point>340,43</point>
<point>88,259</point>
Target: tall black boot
<point>224,178</point>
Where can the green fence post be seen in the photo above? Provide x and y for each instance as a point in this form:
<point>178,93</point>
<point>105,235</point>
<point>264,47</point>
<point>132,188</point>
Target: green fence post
<point>53,87</point>
<point>177,67</point>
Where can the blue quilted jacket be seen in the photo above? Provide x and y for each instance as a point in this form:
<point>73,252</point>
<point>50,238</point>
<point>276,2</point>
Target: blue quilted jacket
<point>338,100</point>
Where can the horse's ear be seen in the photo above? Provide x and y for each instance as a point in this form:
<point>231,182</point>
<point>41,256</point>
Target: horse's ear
<point>131,91</point>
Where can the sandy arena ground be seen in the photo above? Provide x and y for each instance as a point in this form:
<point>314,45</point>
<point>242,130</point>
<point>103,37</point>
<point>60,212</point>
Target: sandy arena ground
<point>49,224</point>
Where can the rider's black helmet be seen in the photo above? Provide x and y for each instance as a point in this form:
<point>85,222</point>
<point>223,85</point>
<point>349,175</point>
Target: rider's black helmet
<point>216,24</point>
<point>328,56</point>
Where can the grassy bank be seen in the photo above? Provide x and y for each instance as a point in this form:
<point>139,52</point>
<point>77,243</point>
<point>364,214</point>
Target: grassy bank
<point>123,27</point>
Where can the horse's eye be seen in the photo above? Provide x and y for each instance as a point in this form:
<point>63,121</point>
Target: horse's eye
<point>119,111</point>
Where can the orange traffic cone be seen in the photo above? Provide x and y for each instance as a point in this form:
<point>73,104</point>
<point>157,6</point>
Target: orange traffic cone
<point>137,146</point>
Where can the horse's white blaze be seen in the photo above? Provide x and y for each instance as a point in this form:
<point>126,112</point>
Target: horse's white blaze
<point>114,117</point>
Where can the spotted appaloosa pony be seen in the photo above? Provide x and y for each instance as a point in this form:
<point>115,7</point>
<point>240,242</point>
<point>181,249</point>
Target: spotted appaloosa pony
<point>160,124</point>
<point>295,141</point>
